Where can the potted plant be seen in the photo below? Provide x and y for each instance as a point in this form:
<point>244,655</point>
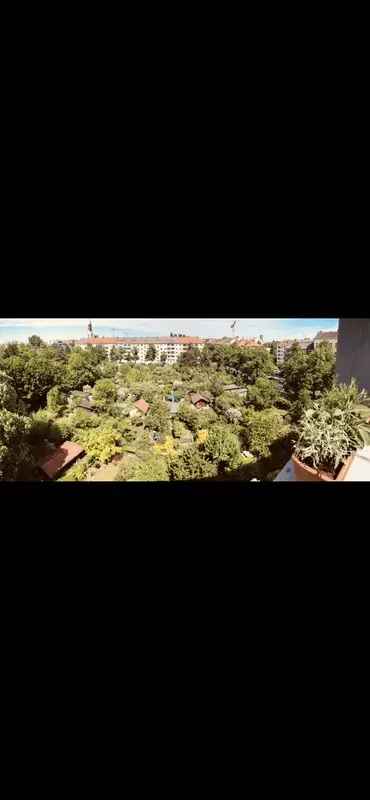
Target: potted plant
<point>327,440</point>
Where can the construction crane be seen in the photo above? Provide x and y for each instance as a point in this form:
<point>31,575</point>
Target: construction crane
<point>233,327</point>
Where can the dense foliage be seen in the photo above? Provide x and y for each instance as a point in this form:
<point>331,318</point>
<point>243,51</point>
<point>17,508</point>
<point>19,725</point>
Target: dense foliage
<point>14,447</point>
<point>104,394</point>
<point>41,387</point>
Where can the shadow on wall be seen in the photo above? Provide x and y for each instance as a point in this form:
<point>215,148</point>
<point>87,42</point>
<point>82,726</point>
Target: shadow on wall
<point>353,353</point>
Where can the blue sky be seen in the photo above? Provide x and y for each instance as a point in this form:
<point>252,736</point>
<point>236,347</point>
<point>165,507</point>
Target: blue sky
<point>50,329</point>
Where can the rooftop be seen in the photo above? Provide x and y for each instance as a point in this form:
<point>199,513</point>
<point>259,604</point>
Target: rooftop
<point>327,335</point>
<point>142,405</point>
<point>103,340</point>
<point>60,458</point>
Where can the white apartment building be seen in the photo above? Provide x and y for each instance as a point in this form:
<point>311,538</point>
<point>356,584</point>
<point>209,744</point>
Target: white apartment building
<point>172,346</point>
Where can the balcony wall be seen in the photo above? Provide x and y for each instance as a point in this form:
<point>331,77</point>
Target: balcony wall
<point>353,353</point>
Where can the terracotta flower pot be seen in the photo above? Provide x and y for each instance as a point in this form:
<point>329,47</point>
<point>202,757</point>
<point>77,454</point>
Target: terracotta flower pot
<point>305,473</point>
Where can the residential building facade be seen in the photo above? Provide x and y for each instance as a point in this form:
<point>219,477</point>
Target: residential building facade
<point>330,337</point>
<point>171,346</point>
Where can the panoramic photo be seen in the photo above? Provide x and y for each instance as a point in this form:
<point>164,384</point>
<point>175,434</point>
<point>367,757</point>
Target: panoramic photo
<point>138,400</point>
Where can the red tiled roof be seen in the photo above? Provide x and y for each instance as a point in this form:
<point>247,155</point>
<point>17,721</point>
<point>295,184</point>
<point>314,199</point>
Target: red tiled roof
<point>145,340</point>
<point>142,406</point>
<point>61,457</point>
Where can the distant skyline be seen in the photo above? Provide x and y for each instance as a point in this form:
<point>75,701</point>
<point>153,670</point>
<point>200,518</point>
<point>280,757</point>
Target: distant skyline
<point>17,329</point>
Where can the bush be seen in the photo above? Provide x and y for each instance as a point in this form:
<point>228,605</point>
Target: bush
<point>222,446</point>
<point>234,415</point>
<point>152,469</point>
<point>326,438</point>
<point>76,473</point>
<point>264,394</point>
<point>262,429</point>
<point>191,465</point>
<point>206,417</point>
<point>101,444</point>
<point>56,401</point>
<point>158,418</point>
<point>342,396</point>
<point>65,425</point>
<point>202,437</point>
<point>15,453</point>
<point>178,428</point>
<point>167,448</point>
<point>298,406</point>
<point>104,394</point>
<point>83,419</point>
<point>44,427</point>
<point>108,369</point>
<point>226,401</point>
<point>190,417</point>
<point>8,395</point>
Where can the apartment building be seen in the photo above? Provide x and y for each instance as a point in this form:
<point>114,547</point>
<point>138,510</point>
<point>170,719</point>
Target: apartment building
<point>172,346</point>
<point>283,347</point>
<point>330,337</point>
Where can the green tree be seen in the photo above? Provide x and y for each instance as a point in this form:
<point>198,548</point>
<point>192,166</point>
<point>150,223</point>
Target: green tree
<point>178,429</point>
<point>108,369</point>
<point>45,428</point>
<point>151,353</point>
<point>56,401</point>
<point>61,350</point>
<point>101,444</point>
<point>15,453</point>
<point>205,418</point>
<point>296,373</point>
<point>222,447</point>
<point>191,465</point>
<point>254,363</point>
<point>216,387</point>
<point>226,401</point>
<point>163,358</point>
<point>263,394</point>
<point>8,395</point>
<point>115,354</point>
<point>36,341</point>
<point>10,349</point>
<point>321,365</point>
<point>262,428</point>
<point>104,394</point>
<point>189,357</point>
<point>82,369</point>
<point>300,404</point>
<point>34,373</point>
<point>274,348</point>
<point>158,417</point>
<point>189,416</point>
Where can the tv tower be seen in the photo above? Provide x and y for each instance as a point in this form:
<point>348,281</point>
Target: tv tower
<point>90,330</point>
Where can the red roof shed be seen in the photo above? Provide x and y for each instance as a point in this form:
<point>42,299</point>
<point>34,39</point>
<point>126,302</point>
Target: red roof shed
<point>61,458</point>
<point>142,406</point>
